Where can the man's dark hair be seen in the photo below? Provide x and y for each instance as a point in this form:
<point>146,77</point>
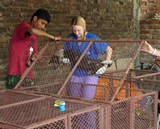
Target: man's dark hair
<point>42,14</point>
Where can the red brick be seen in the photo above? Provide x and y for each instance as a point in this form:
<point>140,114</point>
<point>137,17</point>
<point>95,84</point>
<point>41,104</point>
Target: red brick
<point>1,19</point>
<point>148,36</point>
<point>144,8</point>
<point>156,26</point>
<point>151,8</point>
<point>155,21</point>
<point>154,41</point>
<point>150,27</point>
<point>151,1</point>
<point>155,32</point>
<point>154,37</point>
<point>143,3</point>
<point>1,45</point>
<point>144,22</point>
<point>142,27</point>
<point>3,29</point>
<point>142,37</point>
<point>145,32</point>
<point>30,4</point>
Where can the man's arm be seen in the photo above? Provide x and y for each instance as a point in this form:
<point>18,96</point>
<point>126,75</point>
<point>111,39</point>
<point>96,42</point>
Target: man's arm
<point>40,33</point>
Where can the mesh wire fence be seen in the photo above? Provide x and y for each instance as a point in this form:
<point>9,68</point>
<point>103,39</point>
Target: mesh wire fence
<point>132,108</point>
<point>81,62</point>
<point>148,79</point>
<point>43,114</point>
<point>6,126</point>
<point>104,90</point>
<point>138,113</point>
<point>11,97</point>
<point>59,124</point>
<point>50,74</point>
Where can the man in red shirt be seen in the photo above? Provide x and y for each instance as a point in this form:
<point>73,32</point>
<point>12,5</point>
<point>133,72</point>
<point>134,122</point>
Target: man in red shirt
<point>24,40</point>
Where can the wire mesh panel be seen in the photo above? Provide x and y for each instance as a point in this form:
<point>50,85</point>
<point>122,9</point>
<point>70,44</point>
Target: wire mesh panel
<point>132,108</point>
<point>70,64</point>
<point>104,90</point>
<point>43,114</point>
<point>47,69</point>
<point>148,79</point>
<point>133,113</point>
<point>74,73</point>
<point>91,119</point>
<point>51,124</point>
<point>6,126</point>
<point>11,97</point>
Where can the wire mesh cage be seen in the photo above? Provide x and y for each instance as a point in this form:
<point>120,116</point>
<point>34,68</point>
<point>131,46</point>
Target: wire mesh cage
<point>42,113</point>
<point>67,63</point>
<point>133,113</point>
<point>132,108</point>
<point>51,75</point>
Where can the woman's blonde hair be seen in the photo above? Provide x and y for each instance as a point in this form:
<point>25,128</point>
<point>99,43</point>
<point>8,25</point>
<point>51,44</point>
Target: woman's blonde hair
<point>78,20</point>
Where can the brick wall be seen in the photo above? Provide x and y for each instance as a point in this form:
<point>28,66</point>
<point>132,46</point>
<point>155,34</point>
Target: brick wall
<point>149,8</point>
<point>149,28</point>
<point>109,19</point>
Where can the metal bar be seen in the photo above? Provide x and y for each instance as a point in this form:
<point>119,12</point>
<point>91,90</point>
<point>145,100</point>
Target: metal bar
<point>128,68</point>
<point>10,125</point>
<point>92,108</point>
<point>147,75</point>
<point>138,96</point>
<point>74,67</point>
<point>146,81</point>
<point>69,121</point>
<point>155,109</point>
<point>47,84</point>
<point>142,70</point>
<point>101,118</point>
<point>105,94</point>
<point>34,62</point>
<point>21,103</point>
<point>108,116</point>
<point>42,123</point>
<point>1,91</point>
<point>114,71</point>
<point>24,93</point>
<point>132,113</point>
<point>65,122</point>
<point>105,40</point>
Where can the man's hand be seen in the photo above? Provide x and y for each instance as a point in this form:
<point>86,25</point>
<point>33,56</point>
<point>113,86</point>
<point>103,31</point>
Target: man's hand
<point>57,38</point>
<point>33,57</point>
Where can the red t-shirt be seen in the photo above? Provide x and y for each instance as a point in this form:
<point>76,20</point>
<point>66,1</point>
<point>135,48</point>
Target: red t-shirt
<point>19,49</point>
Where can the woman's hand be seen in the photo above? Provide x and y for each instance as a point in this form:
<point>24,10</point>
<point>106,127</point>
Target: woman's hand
<point>146,47</point>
